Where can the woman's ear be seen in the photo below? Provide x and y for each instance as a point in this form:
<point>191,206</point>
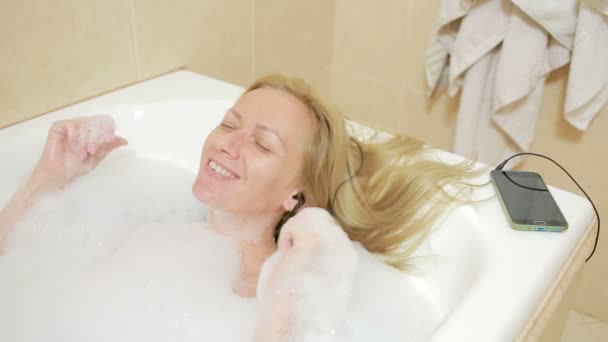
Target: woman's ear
<point>292,201</point>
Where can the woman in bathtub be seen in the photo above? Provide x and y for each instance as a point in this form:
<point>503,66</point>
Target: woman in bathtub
<point>279,151</point>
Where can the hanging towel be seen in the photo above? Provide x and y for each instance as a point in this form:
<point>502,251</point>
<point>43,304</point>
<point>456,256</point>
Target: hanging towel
<point>527,57</point>
<point>481,30</point>
<point>475,101</point>
<point>440,45</point>
<point>498,56</point>
<point>587,90</point>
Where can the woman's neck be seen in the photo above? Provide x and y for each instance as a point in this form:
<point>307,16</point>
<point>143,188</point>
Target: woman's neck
<point>252,230</point>
<point>255,238</point>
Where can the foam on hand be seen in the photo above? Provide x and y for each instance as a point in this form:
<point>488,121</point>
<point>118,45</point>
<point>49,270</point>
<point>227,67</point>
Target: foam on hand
<point>342,292</point>
<point>320,279</point>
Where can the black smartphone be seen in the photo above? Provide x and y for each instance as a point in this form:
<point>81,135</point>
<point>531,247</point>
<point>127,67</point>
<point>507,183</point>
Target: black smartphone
<point>527,202</point>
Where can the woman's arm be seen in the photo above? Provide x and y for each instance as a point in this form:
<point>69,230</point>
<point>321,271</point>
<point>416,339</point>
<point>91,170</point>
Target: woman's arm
<point>73,148</point>
<point>274,323</point>
<point>305,287</point>
<point>20,203</point>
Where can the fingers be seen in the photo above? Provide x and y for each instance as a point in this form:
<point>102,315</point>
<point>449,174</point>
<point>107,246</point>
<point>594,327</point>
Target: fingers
<point>296,236</point>
<point>83,141</point>
<point>285,241</point>
<point>71,134</point>
<point>107,147</point>
<point>295,252</point>
<point>98,138</point>
<point>61,132</point>
<point>88,136</point>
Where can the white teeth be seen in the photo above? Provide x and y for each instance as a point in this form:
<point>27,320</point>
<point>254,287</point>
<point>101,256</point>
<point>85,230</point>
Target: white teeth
<point>220,170</point>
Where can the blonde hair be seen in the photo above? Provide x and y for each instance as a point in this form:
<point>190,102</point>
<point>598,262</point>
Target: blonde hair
<point>384,194</point>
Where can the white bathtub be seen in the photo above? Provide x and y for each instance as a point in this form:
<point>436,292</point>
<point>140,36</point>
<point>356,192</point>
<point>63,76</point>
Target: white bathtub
<point>486,280</point>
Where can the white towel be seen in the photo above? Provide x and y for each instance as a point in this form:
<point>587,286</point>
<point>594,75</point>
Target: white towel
<point>482,29</point>
<point>502,95</point>
<point>475,120</point>
<point>528,55</point>
<point>587,90</point>
<point>448,22</point>
<point>556,17</point>
<point>500,54</point>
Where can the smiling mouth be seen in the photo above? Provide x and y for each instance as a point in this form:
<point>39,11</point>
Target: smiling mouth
<point>220,170</point>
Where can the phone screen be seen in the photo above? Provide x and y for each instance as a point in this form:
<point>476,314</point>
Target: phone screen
<point>527,199</point>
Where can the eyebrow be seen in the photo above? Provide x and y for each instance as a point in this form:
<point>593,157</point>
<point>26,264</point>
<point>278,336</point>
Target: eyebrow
<point>260,126</point>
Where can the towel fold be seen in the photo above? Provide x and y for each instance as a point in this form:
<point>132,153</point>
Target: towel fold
<point>498,54</point>
<point>587,91</point>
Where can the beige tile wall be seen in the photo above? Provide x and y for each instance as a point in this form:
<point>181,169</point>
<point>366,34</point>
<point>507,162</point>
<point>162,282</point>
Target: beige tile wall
<point>376,76</point>
<point>377,71</point>
<point>296,37</point>
<point>212,37</point>
<point>53,54</point>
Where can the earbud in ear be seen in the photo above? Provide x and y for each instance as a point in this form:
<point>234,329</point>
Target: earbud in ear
<point>300,198</point>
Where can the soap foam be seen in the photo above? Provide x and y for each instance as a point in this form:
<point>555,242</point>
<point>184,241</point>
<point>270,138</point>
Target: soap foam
<point>342,292</point>
<point>124,254</point>
<point>388,305</point>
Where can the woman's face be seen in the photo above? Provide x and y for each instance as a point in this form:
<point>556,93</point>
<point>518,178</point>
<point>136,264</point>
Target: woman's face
<point>250,163</point>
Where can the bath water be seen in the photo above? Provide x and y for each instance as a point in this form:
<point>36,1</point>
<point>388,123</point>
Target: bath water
<point>124,254</point>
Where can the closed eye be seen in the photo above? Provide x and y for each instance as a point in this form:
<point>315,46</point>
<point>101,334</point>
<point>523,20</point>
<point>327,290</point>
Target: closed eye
<point>262,147</point>
<point>227,126</point>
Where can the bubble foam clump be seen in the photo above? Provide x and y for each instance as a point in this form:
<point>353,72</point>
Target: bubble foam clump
<point>124,254</point>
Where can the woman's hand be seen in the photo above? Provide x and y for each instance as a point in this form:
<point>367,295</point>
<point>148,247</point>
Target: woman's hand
<point>74,148</point>
<point>295,249</point>
<point>305,287</point>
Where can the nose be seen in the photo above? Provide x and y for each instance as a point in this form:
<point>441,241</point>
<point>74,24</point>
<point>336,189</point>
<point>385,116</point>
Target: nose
<point>231,144</point>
